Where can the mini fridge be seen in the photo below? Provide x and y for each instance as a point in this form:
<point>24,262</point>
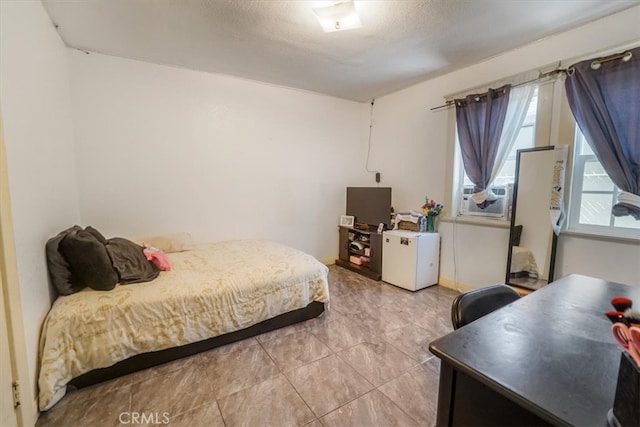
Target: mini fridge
<point>410,260</point>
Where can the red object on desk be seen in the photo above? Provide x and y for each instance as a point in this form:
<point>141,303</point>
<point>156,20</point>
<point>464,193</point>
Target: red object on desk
<point>621,303</point>
<point>615,316</point>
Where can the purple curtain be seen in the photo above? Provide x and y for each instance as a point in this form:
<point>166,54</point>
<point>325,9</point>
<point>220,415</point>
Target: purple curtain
<point>480,118</point>
<point>604,97</point>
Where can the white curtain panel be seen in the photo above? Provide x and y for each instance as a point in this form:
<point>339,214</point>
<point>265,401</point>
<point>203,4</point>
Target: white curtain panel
<point>519,100</point>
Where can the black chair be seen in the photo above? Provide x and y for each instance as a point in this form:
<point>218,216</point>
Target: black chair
<point>472,305</point>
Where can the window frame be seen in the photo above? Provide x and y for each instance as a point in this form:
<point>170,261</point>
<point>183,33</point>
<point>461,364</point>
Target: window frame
<point>547,101</point>
<point>577,191</point>
<point>555,125</point>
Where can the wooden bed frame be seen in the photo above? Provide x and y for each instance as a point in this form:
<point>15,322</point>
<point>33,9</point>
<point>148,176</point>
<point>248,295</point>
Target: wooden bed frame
<point>147,360</point>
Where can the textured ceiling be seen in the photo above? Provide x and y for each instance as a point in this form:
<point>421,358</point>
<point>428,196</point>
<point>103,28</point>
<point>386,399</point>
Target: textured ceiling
<point>400,43</point>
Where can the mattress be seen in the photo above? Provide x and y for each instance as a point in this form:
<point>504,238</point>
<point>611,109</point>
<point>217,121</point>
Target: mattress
<point>211,290</point>
<point>522,260</point>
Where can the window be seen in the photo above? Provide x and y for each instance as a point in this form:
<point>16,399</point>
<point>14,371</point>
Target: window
<point>525,139</point>
<point>593,196</point>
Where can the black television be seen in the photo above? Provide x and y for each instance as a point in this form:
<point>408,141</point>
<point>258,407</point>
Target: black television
<point>369,205</point>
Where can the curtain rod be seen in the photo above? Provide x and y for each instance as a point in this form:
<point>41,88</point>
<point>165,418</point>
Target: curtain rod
<point>451,102</point>
<point>625,56</point>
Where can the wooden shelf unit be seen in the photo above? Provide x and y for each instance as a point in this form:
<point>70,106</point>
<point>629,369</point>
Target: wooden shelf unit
<point>369,238</point>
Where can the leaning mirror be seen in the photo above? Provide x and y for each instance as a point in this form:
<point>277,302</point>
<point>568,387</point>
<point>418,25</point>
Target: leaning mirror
<point>532,242</point>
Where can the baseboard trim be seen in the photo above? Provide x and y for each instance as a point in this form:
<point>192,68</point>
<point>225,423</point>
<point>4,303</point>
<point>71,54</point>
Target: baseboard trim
<point>456,286</point>
<point>463,287</point>
<point>35,414</point>
<point>29,415</point>
<point>328,261</point>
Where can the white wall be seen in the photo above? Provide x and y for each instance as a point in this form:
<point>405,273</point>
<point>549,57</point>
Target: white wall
<point>36,114</point>
<point>618,262</point>
<point>410,148</point>
<point>164,149</point>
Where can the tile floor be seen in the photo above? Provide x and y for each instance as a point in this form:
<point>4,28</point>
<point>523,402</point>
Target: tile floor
<point>365,362</point>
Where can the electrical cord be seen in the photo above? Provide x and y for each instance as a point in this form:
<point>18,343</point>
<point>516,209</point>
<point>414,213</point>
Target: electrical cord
<point>455,264</point>
<point>366,166</point>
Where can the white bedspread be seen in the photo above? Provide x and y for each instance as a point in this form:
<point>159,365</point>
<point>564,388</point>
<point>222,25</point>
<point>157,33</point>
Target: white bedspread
<point>522,259</point>
<point>211,290</point>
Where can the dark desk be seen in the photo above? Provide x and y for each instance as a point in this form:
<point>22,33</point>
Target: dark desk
<point>548,358</point>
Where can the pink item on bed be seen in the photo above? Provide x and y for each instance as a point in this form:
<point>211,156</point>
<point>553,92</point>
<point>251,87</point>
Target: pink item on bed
<point>157,257</point>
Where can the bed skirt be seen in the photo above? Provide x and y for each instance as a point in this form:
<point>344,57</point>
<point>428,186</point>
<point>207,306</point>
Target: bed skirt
<point>148,360</point>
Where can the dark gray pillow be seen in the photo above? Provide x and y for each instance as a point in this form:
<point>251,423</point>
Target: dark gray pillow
<point>59,269</point>
<point>130,262</point>
<point>89,260</point>
<point>95,233</point>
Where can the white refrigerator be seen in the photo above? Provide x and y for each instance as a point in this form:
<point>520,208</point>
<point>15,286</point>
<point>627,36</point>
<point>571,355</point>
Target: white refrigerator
<point>410,260</point>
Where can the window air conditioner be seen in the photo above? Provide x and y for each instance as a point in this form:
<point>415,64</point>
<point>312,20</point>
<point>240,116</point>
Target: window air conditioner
<point>498,209</point>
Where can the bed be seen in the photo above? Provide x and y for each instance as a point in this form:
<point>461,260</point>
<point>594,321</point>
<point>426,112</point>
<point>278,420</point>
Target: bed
<point>214,294</point>
<point>523,263</point>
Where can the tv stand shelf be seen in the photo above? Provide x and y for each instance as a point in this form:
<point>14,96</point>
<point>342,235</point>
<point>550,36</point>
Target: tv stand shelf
<point>370,239</point>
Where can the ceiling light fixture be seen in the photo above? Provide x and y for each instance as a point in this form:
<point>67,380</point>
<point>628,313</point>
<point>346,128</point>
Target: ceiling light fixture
<point>338,16</point>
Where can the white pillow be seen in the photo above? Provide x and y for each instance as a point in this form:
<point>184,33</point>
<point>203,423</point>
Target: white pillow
<point>168,243</point>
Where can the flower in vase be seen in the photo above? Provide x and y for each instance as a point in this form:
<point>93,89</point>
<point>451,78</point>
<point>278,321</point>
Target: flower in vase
<point>431,208</point>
